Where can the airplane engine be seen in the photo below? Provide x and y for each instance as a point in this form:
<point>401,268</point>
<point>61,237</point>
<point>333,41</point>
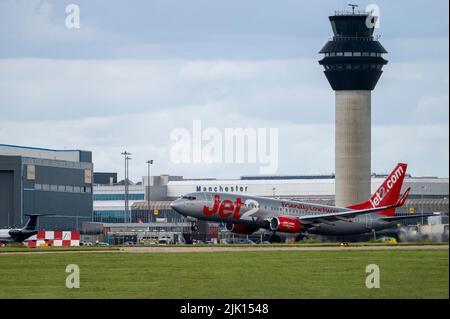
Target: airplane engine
<point>241,229</point>
<point>285,224</point>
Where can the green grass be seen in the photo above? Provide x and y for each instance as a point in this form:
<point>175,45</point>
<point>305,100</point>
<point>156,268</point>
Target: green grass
<point>267,274</point>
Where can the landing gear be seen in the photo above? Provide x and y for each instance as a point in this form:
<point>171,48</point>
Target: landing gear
<point>301,237</point>
<point>194,226</point>
<point>275,239</point>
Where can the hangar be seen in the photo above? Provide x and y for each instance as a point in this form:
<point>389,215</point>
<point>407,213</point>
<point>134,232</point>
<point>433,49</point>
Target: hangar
<point>45,181</point>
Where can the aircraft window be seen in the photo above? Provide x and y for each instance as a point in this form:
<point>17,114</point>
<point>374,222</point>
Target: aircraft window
<point>189,197</point>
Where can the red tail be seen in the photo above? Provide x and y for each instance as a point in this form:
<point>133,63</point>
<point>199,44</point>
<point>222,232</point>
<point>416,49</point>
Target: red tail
<point>388,192</point>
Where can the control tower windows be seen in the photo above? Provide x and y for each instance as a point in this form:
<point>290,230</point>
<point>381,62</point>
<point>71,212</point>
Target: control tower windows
<point>350,54</point>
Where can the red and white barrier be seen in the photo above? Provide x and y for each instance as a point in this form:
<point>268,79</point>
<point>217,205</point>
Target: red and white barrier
<point>55,238</point>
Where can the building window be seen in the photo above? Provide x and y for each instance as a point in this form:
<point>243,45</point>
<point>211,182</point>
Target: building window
<point>61,188</point>
<point>69,188</point>
<point>38,187</point>
<point>45,187</point>
<point>54,188</point>
<point>118,196</point>
<point>109,216</point>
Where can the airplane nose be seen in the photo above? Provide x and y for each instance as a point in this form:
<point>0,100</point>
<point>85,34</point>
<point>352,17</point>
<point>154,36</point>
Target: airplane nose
<point>176,205</point>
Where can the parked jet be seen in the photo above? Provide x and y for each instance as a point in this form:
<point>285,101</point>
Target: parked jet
<point>19,235</point>
<point>246,214</point>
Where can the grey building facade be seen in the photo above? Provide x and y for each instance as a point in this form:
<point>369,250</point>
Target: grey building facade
<point>45,181</point>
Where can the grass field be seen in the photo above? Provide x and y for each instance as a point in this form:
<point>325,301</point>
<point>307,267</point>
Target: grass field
<point>268,274</point>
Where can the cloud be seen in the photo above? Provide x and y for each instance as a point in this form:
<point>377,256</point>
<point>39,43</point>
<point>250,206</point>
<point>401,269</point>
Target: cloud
<point>303,148</point>
<point>201,29</point>
<point>57,89</point>
<point>133,73</point>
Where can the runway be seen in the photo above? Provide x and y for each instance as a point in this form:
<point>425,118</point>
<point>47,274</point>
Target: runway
<point>309,248</point>
<point>212,249</point>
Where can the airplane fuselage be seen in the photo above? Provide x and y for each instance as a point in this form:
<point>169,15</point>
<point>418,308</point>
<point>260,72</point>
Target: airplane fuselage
<point>15,235</point>
<point>256,211</point>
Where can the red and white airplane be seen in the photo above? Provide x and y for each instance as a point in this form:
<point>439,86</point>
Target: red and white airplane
<point>246,214</point>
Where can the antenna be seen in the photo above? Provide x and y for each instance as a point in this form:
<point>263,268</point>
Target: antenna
<point>353,7</point>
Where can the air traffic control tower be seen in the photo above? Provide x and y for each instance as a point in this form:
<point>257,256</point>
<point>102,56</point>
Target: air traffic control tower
<point>353,64</point>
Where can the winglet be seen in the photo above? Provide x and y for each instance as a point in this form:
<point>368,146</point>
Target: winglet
<point>402,200</point>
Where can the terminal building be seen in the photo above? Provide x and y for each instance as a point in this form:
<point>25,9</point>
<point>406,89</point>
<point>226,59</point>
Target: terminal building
<point>56,183</point>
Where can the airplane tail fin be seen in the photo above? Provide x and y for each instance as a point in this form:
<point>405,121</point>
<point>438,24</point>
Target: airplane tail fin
<point>387,194</point>
<point>31,223</point>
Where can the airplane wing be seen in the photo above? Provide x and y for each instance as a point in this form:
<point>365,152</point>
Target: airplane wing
<point>351,213</point>
<point>395,218</point>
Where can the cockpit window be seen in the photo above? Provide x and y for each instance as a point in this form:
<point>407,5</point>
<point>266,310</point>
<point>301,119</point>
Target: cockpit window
<point>189,197</point>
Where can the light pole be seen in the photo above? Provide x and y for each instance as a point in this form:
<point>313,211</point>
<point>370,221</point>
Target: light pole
<point>149,162</point>
<point>126,157</point>
<point>127,189</point>
<point>421,204</point>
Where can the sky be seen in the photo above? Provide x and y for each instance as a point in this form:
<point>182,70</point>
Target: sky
<point>135,71</point>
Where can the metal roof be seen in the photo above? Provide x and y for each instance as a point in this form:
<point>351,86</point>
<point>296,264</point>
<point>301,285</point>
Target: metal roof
<point>143,205</point>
